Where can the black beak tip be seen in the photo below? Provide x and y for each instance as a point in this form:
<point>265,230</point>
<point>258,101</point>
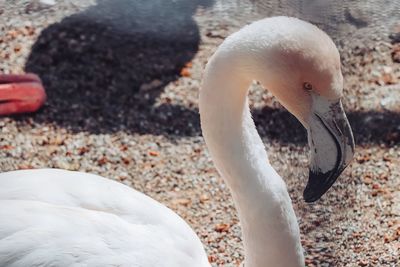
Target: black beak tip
<point>310,196</point>
<point>318,184</point>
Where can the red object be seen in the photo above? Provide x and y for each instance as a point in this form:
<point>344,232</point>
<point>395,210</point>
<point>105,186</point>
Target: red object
<point>20,93</point>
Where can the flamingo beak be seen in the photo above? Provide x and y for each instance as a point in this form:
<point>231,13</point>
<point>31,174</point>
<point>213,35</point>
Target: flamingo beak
<point>331,145</point>
<point>20,94</point>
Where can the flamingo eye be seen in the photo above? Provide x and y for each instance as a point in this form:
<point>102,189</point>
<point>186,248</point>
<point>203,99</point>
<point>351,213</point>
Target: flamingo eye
<point>307,86</point>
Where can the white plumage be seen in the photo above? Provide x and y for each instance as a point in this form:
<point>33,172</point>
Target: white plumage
<point>51,217</point>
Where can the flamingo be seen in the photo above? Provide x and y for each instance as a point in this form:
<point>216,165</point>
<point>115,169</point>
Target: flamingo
<point>52,217</point>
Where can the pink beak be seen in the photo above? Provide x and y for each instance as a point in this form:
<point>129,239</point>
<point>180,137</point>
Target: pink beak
<point>20,93</point>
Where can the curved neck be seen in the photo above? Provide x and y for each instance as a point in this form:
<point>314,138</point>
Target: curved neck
<point>269,225</point>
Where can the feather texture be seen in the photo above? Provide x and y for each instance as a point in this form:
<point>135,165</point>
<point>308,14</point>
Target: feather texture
<point>52,217</point>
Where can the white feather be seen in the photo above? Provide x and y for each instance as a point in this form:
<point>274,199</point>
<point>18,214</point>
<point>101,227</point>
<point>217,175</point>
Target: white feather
<point>52,217</point>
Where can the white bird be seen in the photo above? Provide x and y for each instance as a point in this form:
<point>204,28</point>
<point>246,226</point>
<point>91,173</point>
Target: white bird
<point>53,217</point>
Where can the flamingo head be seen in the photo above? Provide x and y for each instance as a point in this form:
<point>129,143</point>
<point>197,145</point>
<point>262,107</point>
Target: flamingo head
<point>301,67</point>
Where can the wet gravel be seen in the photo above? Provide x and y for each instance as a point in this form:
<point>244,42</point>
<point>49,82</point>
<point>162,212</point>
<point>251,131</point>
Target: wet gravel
<point>122,79</point>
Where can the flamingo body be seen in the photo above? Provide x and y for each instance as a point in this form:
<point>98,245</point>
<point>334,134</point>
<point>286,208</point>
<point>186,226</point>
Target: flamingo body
<point>52,217</point>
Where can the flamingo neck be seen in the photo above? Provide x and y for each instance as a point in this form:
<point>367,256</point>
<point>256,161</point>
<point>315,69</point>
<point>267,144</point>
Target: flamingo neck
<point>269,225</point>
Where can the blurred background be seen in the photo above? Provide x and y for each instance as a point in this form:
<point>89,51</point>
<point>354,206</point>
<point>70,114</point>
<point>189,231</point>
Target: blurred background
<point>122,79</point>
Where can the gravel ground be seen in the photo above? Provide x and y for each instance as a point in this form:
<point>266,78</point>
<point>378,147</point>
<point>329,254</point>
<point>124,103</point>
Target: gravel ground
<point>122,80</point>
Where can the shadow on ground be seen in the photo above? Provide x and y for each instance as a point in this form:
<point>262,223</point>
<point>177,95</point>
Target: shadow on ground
<point>369,127</point>
<point>94,63</point>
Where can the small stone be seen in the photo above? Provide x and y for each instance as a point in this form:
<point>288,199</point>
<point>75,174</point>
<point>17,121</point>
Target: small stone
<point>222,227</point>
<point>152,85</point>
<point>204,198</point>
<point>363,263</point>
<point>185,72</point>
<point>182,201</point>
<point>396,53</point>
<point>153,153</point>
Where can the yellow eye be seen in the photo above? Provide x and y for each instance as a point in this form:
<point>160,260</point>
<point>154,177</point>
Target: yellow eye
<point>307,86</point>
